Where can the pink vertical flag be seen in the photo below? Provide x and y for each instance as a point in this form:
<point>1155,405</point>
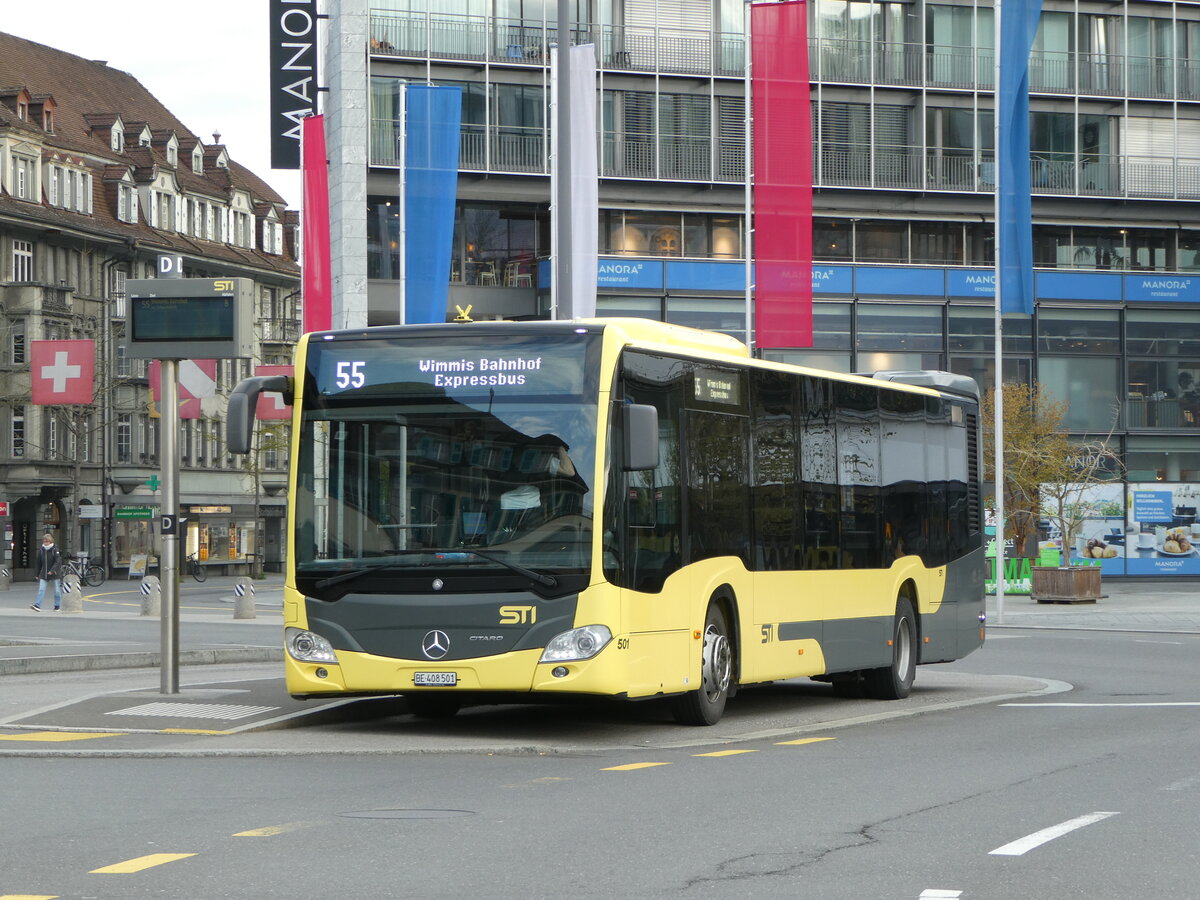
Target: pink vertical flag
<point>318,288</point>
<point>782,175</point>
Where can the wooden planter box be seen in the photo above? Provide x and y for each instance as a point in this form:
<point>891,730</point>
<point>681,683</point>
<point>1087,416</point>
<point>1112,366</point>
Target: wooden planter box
<point>1066,584</point>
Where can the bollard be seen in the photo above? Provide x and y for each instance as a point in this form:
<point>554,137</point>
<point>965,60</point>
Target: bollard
<point>243,599</point>
<point>151,596</point>
<point>72,597</point>
<point>5,578</point>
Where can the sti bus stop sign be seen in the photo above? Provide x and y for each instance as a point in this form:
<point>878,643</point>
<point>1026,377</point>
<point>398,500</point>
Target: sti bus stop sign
<point>190,318</point>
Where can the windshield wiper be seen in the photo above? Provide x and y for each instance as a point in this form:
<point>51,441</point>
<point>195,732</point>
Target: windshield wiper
<point>539,577</point>
<point>355,573</point>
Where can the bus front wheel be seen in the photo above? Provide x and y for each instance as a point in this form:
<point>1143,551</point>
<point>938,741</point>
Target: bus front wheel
<point>706,705</point>
<point>894,682</point>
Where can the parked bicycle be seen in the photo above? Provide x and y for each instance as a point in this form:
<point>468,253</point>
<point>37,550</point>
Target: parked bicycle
<point>89,573</point>
<point>195,569</point>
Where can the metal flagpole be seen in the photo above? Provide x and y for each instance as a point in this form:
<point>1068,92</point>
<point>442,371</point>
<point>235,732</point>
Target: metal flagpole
<point>562,299</point>
<point>749,168</point>
<point>998,378</point>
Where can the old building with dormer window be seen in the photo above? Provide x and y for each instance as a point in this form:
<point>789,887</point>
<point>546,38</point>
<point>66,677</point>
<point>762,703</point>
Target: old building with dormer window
<point>98,180</point>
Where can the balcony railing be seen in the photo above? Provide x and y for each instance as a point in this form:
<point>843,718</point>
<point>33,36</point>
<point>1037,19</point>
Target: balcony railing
<point>279,330</point>
<point>435,35</point>
<point>968,68</point>
<point>915,168</point>
<point>702,51</point>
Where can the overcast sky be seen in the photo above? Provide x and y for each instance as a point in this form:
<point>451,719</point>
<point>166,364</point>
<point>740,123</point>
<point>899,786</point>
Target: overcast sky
<point>206,62</point>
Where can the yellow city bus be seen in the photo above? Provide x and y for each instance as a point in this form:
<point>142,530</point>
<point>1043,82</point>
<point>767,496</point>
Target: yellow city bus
<point>617,507</point>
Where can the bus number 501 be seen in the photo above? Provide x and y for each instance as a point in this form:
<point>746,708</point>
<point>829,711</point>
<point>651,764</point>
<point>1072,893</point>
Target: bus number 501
<point>351,374</point>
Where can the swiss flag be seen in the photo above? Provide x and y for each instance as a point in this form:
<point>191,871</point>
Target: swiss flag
<point>63,372</point>
<point>197,379</point>
<point>271,404</point>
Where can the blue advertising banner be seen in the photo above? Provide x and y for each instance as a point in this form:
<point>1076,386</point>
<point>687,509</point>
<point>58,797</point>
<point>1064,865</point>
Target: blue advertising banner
<point>695,275</point>
<point>880,281</point>
<point>430,180</point>
<point>1178,288</point>
<point>1078,286</point>
<point>629,273</point>
<point>1163,530</point>
<point>833,279</point>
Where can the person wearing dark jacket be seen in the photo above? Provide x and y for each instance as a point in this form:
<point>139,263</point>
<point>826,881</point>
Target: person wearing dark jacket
<point>49,568</point>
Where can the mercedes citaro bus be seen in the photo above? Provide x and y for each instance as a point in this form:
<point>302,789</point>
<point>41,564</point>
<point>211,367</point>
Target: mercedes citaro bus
<point>619,508</point>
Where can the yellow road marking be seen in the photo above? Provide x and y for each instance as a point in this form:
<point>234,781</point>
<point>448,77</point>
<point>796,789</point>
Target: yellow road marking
<point>140,863</point>
<point>803,741</point>
<point>28,896</point>
<point>725,753</point>
<point>272,830</point>
<point>631,766</point>
<point>57,736</point>
<point>191,731</point>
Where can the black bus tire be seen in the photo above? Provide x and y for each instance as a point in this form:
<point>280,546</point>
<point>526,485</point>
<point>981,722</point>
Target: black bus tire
<point>706,705</point>
<point>895,681</point>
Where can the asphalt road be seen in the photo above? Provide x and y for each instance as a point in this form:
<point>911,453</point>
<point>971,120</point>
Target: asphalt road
<point>1089,793</point>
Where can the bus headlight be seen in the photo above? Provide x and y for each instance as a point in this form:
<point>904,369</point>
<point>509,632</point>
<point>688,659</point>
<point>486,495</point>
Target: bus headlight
<point>305,646</point>
<point>578,643</point>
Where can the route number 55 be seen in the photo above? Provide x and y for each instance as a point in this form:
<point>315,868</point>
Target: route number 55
<point>350,374</point>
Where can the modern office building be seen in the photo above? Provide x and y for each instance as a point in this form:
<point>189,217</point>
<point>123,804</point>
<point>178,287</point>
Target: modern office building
<point>97,181</point>
<point>902,100</point>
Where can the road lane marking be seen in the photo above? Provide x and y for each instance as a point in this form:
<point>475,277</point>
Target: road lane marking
<point>140,864</point>
<point>57,737</point>
<point>1088,705</point>
<point>1183,784</point>
<point>28,896</point>
<point>939,894</point>
<point>725,753</point>
<point>272,830</point>
<point>1175,643</point>
<point>629,767</point>
<point>803,741</point>
<point>1023,845</point>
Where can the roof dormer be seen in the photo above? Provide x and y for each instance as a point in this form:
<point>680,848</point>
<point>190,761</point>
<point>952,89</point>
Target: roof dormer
<point>16,99</point>
<point>198,159</point>
<point>108,127</point>
<point>41,111</point>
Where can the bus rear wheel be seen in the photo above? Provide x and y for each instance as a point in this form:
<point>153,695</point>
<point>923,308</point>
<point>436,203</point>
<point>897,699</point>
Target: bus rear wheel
<point>894,682</point>
<point>706,705</point>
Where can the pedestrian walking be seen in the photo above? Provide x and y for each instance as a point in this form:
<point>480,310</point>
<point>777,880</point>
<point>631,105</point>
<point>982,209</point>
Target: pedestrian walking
<point>49,568</point>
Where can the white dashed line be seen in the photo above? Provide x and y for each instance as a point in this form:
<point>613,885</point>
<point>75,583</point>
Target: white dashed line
<point>1030,841</point>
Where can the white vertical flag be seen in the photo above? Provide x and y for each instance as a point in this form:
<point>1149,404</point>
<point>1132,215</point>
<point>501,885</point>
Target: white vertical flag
<point>582,185</point>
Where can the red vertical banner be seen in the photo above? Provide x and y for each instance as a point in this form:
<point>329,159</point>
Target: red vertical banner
<point>315,266</point>
<point>783,150</point>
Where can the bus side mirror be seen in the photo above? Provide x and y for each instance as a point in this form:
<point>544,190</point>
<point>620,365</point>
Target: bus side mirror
<point>640,424</point>
<point>239,423</point>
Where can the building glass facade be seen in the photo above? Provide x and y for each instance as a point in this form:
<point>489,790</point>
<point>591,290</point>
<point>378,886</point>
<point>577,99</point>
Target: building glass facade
<point>903,163</point>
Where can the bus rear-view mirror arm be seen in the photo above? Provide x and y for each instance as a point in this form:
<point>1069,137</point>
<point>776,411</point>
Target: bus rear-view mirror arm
<point>239,424</point>
<point>641,436</point>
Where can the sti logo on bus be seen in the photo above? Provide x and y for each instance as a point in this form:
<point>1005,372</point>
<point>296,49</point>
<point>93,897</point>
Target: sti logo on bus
<point>518,615</point>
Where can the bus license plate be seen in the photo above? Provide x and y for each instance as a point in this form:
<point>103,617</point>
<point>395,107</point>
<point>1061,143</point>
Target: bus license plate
<point>439,679</point>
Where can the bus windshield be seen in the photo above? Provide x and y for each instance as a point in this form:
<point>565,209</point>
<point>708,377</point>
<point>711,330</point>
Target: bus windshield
<point>413,454</point>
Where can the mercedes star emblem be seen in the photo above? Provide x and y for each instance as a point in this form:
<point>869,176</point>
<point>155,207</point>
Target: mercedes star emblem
<point>438,584</point>
<point>435,644</point>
